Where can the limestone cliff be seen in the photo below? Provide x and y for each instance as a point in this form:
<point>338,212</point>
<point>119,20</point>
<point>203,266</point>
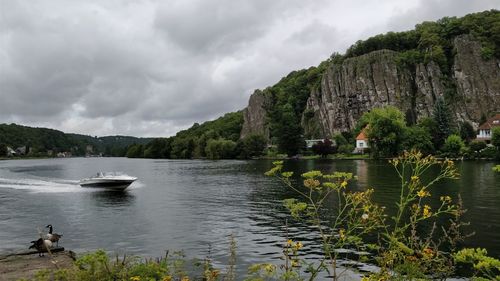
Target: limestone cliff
<point>375,79</point>
<point>477,80</point>
<point>254,115</point>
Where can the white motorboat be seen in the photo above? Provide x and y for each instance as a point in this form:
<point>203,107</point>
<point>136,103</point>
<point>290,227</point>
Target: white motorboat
<point>108,181</point>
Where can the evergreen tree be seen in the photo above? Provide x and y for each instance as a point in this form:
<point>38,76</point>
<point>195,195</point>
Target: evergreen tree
<point>289,131</point>
<point>443,120</point>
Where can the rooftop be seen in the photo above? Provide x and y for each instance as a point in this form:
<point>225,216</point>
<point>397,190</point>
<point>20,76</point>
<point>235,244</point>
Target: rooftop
<point>490,123</point>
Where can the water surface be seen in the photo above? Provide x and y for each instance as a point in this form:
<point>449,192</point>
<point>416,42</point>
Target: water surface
<point>194,205</point>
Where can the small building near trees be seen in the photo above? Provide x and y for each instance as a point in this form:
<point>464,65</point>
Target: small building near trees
<point>362,141</point>
<point>484,130</point>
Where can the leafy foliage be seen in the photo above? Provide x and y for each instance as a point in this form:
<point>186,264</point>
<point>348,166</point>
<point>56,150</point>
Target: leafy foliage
<point>220,149</point>
<point>252,146</point>
<point>385,130</point>
<point>453,145</point>
<point>419,139</point>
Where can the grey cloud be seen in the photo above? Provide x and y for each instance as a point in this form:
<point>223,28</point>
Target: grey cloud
<point>151,68</point>
<point>218,26</point>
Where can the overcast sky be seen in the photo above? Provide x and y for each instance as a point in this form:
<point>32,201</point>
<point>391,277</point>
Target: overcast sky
<point>152,68</point>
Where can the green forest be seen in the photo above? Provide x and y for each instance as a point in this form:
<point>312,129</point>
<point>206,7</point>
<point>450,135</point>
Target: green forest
<point>43,142</point>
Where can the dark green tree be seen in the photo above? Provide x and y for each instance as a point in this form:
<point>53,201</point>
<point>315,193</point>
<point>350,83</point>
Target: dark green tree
<point>444,123</point>
<point>467,132</point>
<point>324,148</point>
<point>135,151</point>
<point>288,131</point>
<point>3,150</point>
<point>418,138</point>
<point>252,146</point>
<point>220,149</point>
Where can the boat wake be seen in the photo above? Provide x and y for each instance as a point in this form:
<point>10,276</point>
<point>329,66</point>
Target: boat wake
<point>42,185</point>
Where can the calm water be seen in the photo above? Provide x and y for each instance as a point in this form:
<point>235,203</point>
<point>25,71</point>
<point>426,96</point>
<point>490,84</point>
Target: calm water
<point>191,204</point>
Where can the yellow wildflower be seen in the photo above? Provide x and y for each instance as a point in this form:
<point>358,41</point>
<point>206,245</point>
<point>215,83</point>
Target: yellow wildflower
<point>167,278</point>
<point>427,211</point>
<point>423,193</point>
<point>269,268</point>
<point>295,263</point>
<point>343,184</point>
<point>289,242</point>
<point>414,178</point>
<point>342,234</point>
<point>365,278</point>
<point>298,245</point>
<point>135,278</point>
<point>185,278</point>
<point>445,199</point>
<point>428,253</point>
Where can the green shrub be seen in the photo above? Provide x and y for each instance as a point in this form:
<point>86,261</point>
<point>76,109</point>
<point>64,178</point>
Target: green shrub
<point>220,149</point>
<point>346,148</point>
<point>489,152</point>
<point>452,146</point>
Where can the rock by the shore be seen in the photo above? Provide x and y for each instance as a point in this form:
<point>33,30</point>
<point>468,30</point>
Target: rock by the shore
<point>25,264</point>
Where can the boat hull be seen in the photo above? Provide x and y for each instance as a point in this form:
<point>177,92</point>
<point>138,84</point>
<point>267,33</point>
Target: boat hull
<point>107,184</point>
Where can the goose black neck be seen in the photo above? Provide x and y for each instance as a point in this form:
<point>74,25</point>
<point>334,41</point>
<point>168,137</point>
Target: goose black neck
<point>50,229</point>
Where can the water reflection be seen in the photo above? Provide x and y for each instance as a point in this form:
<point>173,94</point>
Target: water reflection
<point>106,198</point>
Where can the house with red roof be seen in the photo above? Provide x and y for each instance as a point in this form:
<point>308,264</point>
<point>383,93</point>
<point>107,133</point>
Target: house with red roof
<point>484,130</point>
<point>362,141</point>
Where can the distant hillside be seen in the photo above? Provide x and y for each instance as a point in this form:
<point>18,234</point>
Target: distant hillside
<point>41,141</point>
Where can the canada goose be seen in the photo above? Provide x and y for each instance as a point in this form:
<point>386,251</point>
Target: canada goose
<point>41,245</point>
<point>53,237</point>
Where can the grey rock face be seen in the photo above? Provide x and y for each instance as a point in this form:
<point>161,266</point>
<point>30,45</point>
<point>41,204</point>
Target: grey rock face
<point>255,116</point>
<point>477,80</point>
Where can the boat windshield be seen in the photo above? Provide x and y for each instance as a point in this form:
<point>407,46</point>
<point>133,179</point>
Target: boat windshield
<point>109,174</point>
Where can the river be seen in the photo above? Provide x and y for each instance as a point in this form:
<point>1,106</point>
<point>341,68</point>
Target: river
<point>194,205</point>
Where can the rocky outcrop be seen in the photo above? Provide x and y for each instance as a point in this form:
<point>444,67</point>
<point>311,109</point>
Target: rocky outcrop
<point>477,80</point>
<point>375,79</point>
<point>255,116</point>
<point>362,83</point>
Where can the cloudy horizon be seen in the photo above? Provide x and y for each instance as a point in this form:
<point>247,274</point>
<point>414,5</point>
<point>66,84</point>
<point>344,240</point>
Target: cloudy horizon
<point>151,68</point>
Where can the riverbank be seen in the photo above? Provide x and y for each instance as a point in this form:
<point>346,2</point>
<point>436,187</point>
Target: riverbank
<point>21,265</point>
